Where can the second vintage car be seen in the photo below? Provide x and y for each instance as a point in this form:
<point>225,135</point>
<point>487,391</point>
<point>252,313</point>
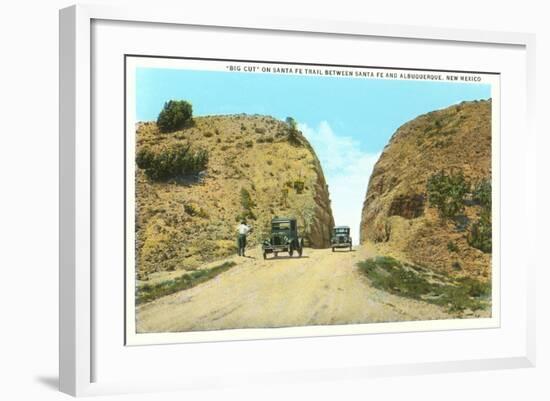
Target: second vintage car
<point>341,238</point>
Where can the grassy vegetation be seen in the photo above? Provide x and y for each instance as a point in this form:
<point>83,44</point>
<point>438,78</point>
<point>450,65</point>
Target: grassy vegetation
<point>148,293</point>
<point>407,280</point>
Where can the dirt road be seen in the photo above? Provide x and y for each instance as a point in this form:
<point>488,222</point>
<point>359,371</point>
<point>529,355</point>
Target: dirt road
<point>322,287</point>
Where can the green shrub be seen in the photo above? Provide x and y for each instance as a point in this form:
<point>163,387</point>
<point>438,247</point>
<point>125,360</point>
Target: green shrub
<point>447,193</point>
<point>284,197</point>
<point>481,233</point>
<point>174,115</point>
<point>298,186</point>
<point>145,158</point>
<point>292,131</point>
<point>452,247</point>
<point>172,161</point>
<point>247,204</point>
<point>246,200</point>
<point>193,211</point>
<point>482,194</point>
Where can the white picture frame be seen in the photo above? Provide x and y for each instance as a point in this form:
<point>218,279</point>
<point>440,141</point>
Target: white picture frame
<point>81,345</point>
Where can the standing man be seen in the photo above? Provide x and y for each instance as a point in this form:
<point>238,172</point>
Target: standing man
<point>243,230</point>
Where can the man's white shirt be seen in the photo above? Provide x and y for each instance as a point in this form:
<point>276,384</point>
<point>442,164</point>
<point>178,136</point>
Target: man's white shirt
<point>243,229</point>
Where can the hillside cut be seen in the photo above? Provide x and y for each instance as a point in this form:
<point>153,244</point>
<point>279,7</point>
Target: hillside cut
<point>398,214</point>
<point>257,168</point>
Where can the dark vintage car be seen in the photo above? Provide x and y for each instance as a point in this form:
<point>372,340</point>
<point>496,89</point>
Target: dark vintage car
<point>283,238</point>
<point>341,238</point>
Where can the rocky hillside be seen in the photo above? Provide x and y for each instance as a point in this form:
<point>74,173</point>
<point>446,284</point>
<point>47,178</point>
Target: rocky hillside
<point>258,167</point>
<point>425,201</point>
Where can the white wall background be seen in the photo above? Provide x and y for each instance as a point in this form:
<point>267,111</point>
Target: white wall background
<point>29,186</point>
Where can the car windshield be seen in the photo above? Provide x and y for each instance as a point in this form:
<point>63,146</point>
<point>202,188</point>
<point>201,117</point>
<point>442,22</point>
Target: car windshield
<point>280,226</point>
<point>341,231</point>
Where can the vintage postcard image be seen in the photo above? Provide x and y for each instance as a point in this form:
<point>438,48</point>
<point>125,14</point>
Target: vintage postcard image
<point>269,199</point>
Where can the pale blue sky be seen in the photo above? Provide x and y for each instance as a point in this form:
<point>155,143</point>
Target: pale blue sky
<point>366,109</point>
<point>347,120</point>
